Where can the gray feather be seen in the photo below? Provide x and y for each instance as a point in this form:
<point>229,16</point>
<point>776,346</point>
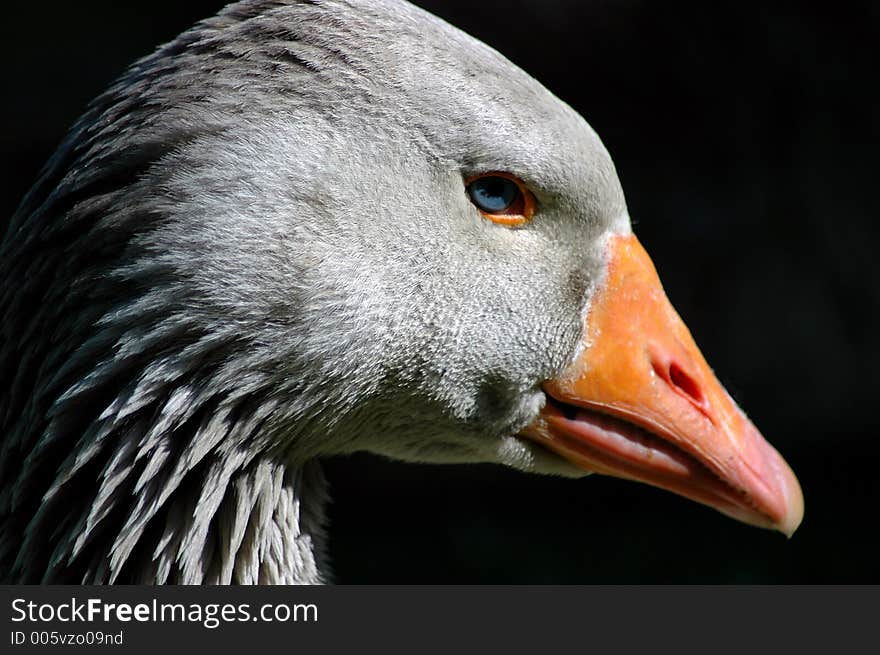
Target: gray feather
<point>255,250</point>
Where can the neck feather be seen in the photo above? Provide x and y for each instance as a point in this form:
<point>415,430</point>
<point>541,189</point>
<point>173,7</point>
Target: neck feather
<point>125,510</point>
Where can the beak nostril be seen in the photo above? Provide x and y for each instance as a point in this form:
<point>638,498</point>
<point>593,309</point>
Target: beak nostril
<point>685,383</point>
<point>676,377</point>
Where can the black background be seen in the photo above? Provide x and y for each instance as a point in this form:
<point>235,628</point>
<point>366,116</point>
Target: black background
<point>745,135</point>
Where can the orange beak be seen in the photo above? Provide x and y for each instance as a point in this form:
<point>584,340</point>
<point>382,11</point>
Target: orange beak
<point>641,403</point>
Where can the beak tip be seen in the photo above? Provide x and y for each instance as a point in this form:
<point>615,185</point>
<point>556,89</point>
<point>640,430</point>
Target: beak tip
<point>795,508</point>
<point>767,475</point>
<point>792,497</point>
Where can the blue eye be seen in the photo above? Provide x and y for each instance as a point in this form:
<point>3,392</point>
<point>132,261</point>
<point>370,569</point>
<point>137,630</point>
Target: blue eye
<point>502,198</point>
<point>493,194</point>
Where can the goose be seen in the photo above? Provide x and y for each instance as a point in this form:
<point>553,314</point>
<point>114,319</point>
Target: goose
<point>309,228</point>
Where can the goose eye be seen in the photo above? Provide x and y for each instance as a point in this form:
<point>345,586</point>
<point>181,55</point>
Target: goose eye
<point>501,198</point>
<point>493,194</point>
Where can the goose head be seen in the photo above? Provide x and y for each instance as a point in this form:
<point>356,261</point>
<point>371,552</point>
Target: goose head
<point>311,229</point>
